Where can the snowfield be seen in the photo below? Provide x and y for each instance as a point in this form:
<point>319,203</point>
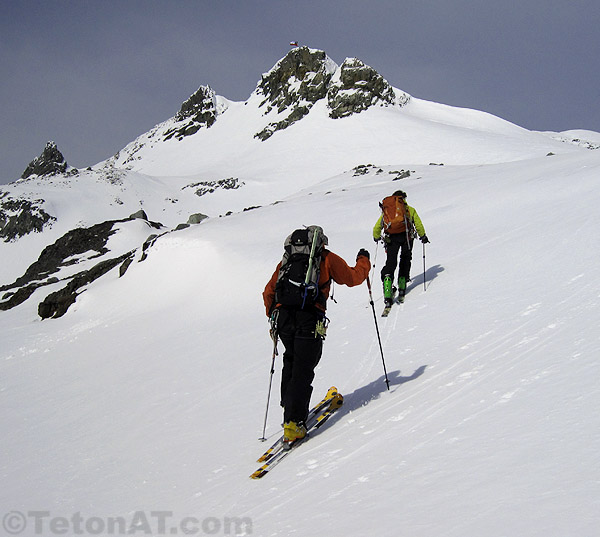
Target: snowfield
<point>149,394</point>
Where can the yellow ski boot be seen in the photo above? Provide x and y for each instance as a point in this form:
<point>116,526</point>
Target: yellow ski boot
<point>292,431</point>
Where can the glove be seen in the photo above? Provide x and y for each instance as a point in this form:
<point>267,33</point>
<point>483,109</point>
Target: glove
<point>362,251</point>
<point>376,239</point>
<point>424,239</point>
<point>273,324</point>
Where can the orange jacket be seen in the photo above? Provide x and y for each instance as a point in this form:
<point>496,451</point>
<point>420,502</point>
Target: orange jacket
<point>333,267</point>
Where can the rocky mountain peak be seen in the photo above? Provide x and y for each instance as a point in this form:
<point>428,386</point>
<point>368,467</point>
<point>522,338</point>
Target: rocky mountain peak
<point>359,87</point>
<point>302,75</point>
<point>305,76</point>
<point>50,162</point>
<point>200,110</point>
<point>297,81</point>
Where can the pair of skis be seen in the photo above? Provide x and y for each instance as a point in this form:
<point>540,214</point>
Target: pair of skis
<point>316,418</point>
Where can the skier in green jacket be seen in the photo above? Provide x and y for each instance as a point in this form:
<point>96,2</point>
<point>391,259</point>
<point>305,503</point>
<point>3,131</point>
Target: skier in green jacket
<point>397,226</point>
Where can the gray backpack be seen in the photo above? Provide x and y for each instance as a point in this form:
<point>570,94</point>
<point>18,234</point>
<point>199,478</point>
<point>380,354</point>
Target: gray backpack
<point>298,279</point>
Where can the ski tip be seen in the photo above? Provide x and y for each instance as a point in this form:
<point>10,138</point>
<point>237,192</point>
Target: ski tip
<point>332,392</point>
<point>265,457</point>
<point>258,474</point>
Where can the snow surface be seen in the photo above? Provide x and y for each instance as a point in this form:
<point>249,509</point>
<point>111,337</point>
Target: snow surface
<point>149,394</point>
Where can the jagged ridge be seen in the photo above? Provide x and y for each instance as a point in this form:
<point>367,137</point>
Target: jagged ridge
<point>306,76</point>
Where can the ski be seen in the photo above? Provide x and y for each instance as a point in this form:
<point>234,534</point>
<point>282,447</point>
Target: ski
<point>331,404</point>
<point>313,413</point>
<point>396,299</point>
<point>388,307</point>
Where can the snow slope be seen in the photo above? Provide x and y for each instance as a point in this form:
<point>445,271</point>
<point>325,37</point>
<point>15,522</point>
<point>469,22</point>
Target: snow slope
<point>149,394</point>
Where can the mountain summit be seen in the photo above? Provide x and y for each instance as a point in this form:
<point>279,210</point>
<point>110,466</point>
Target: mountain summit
<point>50,162</point>
<point>305,76</point>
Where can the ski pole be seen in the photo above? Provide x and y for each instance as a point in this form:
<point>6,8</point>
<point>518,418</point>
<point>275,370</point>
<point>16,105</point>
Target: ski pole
<point>375,258</point>
<point>274,337</point>
<point>263,438</point>
<point>387,382</point>
<point>424,285</point>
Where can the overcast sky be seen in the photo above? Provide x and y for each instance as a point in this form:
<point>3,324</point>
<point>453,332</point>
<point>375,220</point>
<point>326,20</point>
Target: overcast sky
<point>93,75</point>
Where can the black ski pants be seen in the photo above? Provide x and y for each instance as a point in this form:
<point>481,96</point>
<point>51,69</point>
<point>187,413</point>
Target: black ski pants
<point>296,329</point>
<point>398,243</point>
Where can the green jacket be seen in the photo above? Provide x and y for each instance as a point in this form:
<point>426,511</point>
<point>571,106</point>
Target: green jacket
<point>413,216</point>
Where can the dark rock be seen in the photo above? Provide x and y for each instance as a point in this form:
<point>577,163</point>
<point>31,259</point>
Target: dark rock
<point>19,217</point>
<point>140,215</point>
<point>296,114</point>
<point>296,82</point>
<point>196,218</point>
<point>301,74</point>
<point>305,76</point>
<point>208,187</point>
<point>11,300</point>
<point>56,304</point>
<point>200,110</point>
<point>125,265</point>
<point>147,244</point>
<point>73,243</point>
<point>359,87</point>
<point>50,162</point>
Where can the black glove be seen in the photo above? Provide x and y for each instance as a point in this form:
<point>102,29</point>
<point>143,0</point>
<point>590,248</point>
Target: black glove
<point>362,251</point>
<point>424,239</point>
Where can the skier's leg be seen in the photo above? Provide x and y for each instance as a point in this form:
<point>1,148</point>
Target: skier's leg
<point>307,353</point>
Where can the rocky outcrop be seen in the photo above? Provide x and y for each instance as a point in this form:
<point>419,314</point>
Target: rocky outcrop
<point>292,87</point>
<point>358,88</point>
<point>65,251</point>
<point>196,218</point>
<point>79,245</point>
<point>56,304</point>
<point>200,110</point>
<point>19,217</point>
<point>306,76</point>
<point>50,162</point>
<point>208,187</point>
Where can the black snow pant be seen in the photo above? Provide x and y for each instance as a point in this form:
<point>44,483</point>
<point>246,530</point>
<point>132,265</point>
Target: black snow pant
<point>296,329</point>
<point>399,242</point>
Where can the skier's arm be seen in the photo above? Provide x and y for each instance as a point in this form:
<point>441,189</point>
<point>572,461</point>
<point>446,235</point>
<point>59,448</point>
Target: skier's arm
<point>343,274</point>
<point>269,292</point>
<point>418,224</point>
<point>377,229</point>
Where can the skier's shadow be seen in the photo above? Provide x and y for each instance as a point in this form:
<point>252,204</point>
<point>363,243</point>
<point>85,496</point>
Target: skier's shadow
<point>430,274</point>
<point>361,397</point>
